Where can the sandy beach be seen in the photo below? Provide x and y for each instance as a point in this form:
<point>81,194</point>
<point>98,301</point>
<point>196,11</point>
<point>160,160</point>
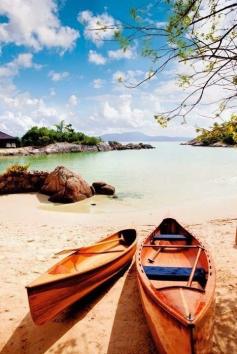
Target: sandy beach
<point>110,321</point>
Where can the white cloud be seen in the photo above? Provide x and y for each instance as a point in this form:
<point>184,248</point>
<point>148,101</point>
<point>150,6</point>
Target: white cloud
<point>129,53</point>
<point>96,58</point>
<point>22,61</point>
<point>98,83</point>
<point>58,76</point>
<point>124,112</point>
<point>98,28</point>
<point>160,24</point>
<point>52,92</point>
<point>20,111</point>
<point>73,101</point>
<point>35,24</point>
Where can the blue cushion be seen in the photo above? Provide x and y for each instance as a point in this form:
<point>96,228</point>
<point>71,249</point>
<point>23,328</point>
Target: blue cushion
<point>174,273</point>
<point>169,237</point>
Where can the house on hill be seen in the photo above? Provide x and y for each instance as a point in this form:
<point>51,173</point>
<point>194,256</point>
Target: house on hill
<point>7,141</point>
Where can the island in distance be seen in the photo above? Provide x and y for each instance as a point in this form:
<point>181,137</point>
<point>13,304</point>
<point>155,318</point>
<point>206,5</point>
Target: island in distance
<point>137,136</point>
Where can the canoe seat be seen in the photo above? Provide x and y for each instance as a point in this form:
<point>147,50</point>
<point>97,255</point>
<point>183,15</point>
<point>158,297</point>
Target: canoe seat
<point>169,237</point>
<point>175,273</point>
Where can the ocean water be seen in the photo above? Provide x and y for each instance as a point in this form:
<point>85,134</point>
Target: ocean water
<point>169,175</point>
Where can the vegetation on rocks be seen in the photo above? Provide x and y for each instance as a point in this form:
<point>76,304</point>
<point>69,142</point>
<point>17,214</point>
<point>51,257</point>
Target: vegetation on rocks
<point>42,136</point>
<point>17,169</point>
<point>225,133</point>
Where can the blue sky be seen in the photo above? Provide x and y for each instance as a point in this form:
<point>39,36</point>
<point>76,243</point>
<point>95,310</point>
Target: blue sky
<point>53,67</point>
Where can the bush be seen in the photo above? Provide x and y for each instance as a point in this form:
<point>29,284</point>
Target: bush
<point>224,133</point>
<point>17,169</point>
<point>42,136</point>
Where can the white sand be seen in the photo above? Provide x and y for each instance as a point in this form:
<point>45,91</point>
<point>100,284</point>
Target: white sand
<point>112,321</point>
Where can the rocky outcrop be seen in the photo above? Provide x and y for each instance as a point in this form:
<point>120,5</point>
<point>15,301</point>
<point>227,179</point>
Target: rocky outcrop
<point>103,188</point>
<point>196,142</point>
<point>64,186</point>
<point>118,146</point>
<point>65,147</point>
<point>193,142</point>
<point>104,147</point>
<point>22,182</point>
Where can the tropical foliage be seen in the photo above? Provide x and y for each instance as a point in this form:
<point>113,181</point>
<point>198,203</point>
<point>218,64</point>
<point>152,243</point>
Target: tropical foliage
<point>201,34</point>
<point>41,136</point>
<point>16,169</point>
<point>220,133</point>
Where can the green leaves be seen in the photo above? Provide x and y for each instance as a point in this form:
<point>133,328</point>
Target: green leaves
<point>41,136</point>
<point>133,13</point>
<point>162,120</point>
<point>122,40</point>
<point>235,80</point>
<point>224,133</point>
<point>184,80</point>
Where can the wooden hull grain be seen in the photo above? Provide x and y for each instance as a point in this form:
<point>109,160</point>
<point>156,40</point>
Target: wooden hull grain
<point>173,337</point>
<point>180,314</point>
<point>47,300</point>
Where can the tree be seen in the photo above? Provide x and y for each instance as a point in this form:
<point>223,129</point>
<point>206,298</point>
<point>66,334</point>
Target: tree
<point>42,136</point>
<point>60,126</point>
<point>199,33</point>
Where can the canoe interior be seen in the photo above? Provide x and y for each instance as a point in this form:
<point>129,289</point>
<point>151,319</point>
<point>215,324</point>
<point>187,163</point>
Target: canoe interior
<point>89,258</point>
<point>80,273</point>
<point>185,301</point>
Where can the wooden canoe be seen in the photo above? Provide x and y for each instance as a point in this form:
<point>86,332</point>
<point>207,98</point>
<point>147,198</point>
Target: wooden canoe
<point>176,279</point>
<point>78,274</point>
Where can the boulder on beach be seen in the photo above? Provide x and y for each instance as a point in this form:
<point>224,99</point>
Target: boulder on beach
<point>65,186</point>
<point>103,188</point>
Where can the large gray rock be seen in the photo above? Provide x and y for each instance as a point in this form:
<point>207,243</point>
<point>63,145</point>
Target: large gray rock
<point>65,186</point>
<point>103,188</point>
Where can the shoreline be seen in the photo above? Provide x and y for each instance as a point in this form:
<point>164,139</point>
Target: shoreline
<point>215,145</point>
<point>105,210</point>
<point>31,235</point>
<point>64,147</point>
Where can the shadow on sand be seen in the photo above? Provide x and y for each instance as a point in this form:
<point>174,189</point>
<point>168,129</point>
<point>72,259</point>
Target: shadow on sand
<point>31,339</point>
<point>225,335</point>
<point>130,333</point>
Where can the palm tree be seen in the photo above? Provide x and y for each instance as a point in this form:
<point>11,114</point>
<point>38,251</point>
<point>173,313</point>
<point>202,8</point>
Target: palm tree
<point>60,126</point>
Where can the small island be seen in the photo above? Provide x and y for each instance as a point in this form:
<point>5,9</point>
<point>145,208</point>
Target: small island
<point>219,135</point>
<point>62,139</point>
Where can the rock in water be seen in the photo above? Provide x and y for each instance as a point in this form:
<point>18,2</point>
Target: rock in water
<point>103,188</point>
<point>65,186</point>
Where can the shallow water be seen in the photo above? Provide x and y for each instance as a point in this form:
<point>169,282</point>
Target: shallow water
<point>170,175</point>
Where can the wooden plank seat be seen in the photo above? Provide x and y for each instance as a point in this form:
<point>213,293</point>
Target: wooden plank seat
<point>175,273</point>
<point>169,237</point>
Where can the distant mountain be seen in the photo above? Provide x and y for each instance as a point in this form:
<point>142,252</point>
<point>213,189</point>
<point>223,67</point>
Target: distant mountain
<point>137,136</point>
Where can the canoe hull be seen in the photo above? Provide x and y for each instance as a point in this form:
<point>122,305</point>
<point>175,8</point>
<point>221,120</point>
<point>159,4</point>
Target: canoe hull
<point>179,311</point>
<point>173,337</point>
<point>48,300</point>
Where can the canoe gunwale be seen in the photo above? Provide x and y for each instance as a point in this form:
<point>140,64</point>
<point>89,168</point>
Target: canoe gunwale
<point>81,275</point>
<point>48,298</point>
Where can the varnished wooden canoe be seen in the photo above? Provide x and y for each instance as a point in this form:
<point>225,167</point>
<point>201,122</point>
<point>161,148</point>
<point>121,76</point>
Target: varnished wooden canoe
<point>176,279</point>
<point>78,274</point>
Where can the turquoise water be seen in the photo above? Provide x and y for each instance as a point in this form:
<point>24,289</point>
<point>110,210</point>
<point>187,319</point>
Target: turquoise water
<point>171,174</point>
